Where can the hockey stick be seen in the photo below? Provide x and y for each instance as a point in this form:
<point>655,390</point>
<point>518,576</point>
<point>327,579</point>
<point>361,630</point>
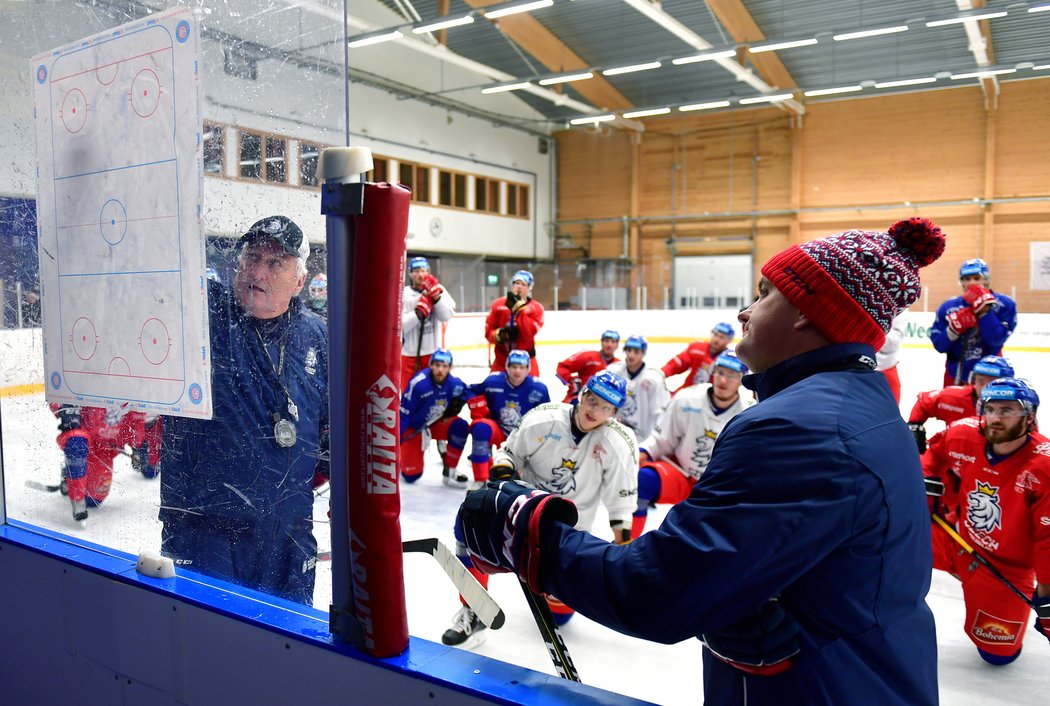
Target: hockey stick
<point>37,485</point>
<point>559,653</point>
<point>473,593</point>
<point>1041,611</point>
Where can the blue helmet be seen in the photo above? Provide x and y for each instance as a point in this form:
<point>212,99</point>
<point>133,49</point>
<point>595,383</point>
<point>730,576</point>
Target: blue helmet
<point>1010,389</point>
<point>519,357</point>
<point>729,360</point>
<point>636,341</point>
<point>441,355</point>
<point>611,388</point>
<point>610,334</point>
<point>725,328</point>
<point>523,275</point>
<point>993,365</point>
<point>418,263</point>
<point>975,266</point>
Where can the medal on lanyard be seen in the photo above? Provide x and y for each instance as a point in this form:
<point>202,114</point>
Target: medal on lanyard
<point>285,434</point>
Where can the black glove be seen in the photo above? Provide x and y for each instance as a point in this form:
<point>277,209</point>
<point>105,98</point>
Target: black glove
<point>501,472</point>
<point>762,643</point>
<point>512,300</point>
<point>511,332</point>
<point>454,406</point>
<point>501,525</point>
<point>919,432</point>
<point>68,417</point>
<point>1042,623</point>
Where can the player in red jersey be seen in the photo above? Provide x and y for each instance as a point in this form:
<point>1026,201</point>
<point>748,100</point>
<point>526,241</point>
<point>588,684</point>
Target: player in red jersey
<point>513,322</point>
<point>996,472</point>
<point>699,357</point>
<point>577,369</point>
<point>950,404</point>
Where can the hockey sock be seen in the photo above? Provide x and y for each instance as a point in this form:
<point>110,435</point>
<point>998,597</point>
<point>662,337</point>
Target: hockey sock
<point>559,611</point>
<point>411,478</point>
<point>481,469</point>
<point>648,491</point>
<point>75,448</point>
<point>998,660</point>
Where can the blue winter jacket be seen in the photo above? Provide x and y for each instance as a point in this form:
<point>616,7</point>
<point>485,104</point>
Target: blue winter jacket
<point>814,495</point>
<point>231,468</point>
<point>986,339</point>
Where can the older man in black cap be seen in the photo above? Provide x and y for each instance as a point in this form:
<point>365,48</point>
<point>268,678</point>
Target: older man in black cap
<point>237,491</point>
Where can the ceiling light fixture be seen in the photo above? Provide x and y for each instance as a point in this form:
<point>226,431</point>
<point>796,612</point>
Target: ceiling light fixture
<point>703,106</point>
<point>709,56</point>
<point>592,119</point>
<point>515,9</point>
<point>1041,67</point>
<point>366,40</point>
<point>869,33</point>
<point>1039,8</point>
<point>765,99</point>
<point>647,113</point>
<point>631,69</point>
<point>565,79</point>
<point>967,18</point>
<point>506,87</point>
<point>983,74</point>
<point>444,24</point>
<point>832,91</point>
<point>775,46</point>
<point>905,82</point>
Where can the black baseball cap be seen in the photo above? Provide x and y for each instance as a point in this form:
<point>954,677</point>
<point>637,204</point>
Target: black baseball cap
<point>282,229</point>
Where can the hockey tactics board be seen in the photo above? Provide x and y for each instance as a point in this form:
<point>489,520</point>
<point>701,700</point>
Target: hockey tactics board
<point>119,190</point>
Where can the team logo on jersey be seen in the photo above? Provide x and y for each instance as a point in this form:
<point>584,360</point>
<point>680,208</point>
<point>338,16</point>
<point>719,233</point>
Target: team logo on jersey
<point>510,415</point>
<point>995,631</point>
<point>982,508</point>
<point>1026,480</point>
<point>563,478</point>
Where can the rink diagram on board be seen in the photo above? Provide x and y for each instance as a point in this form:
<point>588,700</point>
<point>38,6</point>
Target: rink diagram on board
<point>663,674</point>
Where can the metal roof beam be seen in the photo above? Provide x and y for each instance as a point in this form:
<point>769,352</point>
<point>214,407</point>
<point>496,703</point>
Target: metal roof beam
<point>980,45</point>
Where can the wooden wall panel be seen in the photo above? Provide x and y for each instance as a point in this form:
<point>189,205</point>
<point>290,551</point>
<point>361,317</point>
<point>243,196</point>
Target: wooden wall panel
<point>594,173</point>
<point>1022,165</point>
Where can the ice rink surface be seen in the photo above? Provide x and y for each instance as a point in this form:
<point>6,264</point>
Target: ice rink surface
<point>663,674</point>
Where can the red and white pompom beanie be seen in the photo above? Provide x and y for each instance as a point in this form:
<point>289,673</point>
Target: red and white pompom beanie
<point>852,284</point>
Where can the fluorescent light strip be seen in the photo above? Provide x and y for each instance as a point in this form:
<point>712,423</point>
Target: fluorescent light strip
<point>983,74</point>
<point>765,99</point>
<point>710,56</point>
<point>374,39</point>
<point>966,18</point>
<point>647,113</point>
<point>526,7</point>
<point>781,45</point>
<point>565,79</point>
<point>905,82</point>
<point>703,106</point>
<point>832,91</point>
<point>506,87</point>
<point>631,69</point>
<point>592,119</point>
<point>444,24</point>
<point>869,33</point>
<point>1041,67</point>
<point>1039,8</point>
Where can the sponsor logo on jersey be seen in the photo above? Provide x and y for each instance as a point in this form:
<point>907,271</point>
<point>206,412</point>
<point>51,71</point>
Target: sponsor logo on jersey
<point>962,457</point>
<point>381,441</point>
<point>950,407</point>
<point>995,631</point>
<point>1026,480</point>
<point>1043,449</point>
<point>1044,521</point>
<point>552,436</point>
<point>983,510</point>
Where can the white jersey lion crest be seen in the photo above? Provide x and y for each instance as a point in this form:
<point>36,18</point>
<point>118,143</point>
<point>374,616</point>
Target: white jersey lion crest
<point>563,478</point>
<point>982,508</point>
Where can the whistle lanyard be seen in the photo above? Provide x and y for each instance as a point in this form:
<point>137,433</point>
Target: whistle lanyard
<point>278,369</point>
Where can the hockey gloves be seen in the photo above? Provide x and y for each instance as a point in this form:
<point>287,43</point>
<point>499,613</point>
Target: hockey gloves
<point>919,432</point>
<point>507,334</point>
<point>979,298</point>
<point>763,643</point>
<point>512,300</point>
<point>961,320</point>
<point>479,407</point>
<point>1042,625</point>
<point>501,472</point>
<point>432,289</point>
<point>455,405</point>
<point>423,308</point>
<point>68,418</point>
<point>502,523</point>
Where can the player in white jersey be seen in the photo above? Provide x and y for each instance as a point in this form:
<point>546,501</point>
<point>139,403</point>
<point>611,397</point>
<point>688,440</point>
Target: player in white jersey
<point>577,451</point>
<point>647,392</point>
<point>425,306</point>
<point>676,454</point>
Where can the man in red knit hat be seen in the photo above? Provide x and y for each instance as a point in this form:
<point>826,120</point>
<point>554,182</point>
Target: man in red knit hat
<point>802,556</point>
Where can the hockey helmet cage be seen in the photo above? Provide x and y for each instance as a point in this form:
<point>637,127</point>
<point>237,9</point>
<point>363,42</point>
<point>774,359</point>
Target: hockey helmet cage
<point>611,388</point>
<point>319,286</point>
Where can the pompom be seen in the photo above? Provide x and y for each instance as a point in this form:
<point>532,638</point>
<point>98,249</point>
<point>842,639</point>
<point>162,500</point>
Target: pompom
<point>921,236</point>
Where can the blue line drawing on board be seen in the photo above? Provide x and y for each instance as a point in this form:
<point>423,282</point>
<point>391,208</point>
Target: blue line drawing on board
<point>117,217</point>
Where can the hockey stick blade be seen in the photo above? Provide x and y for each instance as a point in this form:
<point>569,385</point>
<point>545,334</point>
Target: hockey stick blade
<point>37,485</point>
<point>559,653</point>
<point>479,600</point>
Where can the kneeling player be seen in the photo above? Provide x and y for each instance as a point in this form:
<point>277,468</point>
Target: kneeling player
<point>500,402</point>
<point>574,450</point>
<point>996,472</point>
<point>674,457</point>
<point>430,409</point>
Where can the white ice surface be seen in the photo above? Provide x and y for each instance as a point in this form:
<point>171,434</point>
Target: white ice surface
<point>658,673</point>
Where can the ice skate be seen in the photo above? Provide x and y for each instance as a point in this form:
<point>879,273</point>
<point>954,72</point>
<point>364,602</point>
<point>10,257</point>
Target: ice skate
<point>453,477</point>
<point>467,631</point>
